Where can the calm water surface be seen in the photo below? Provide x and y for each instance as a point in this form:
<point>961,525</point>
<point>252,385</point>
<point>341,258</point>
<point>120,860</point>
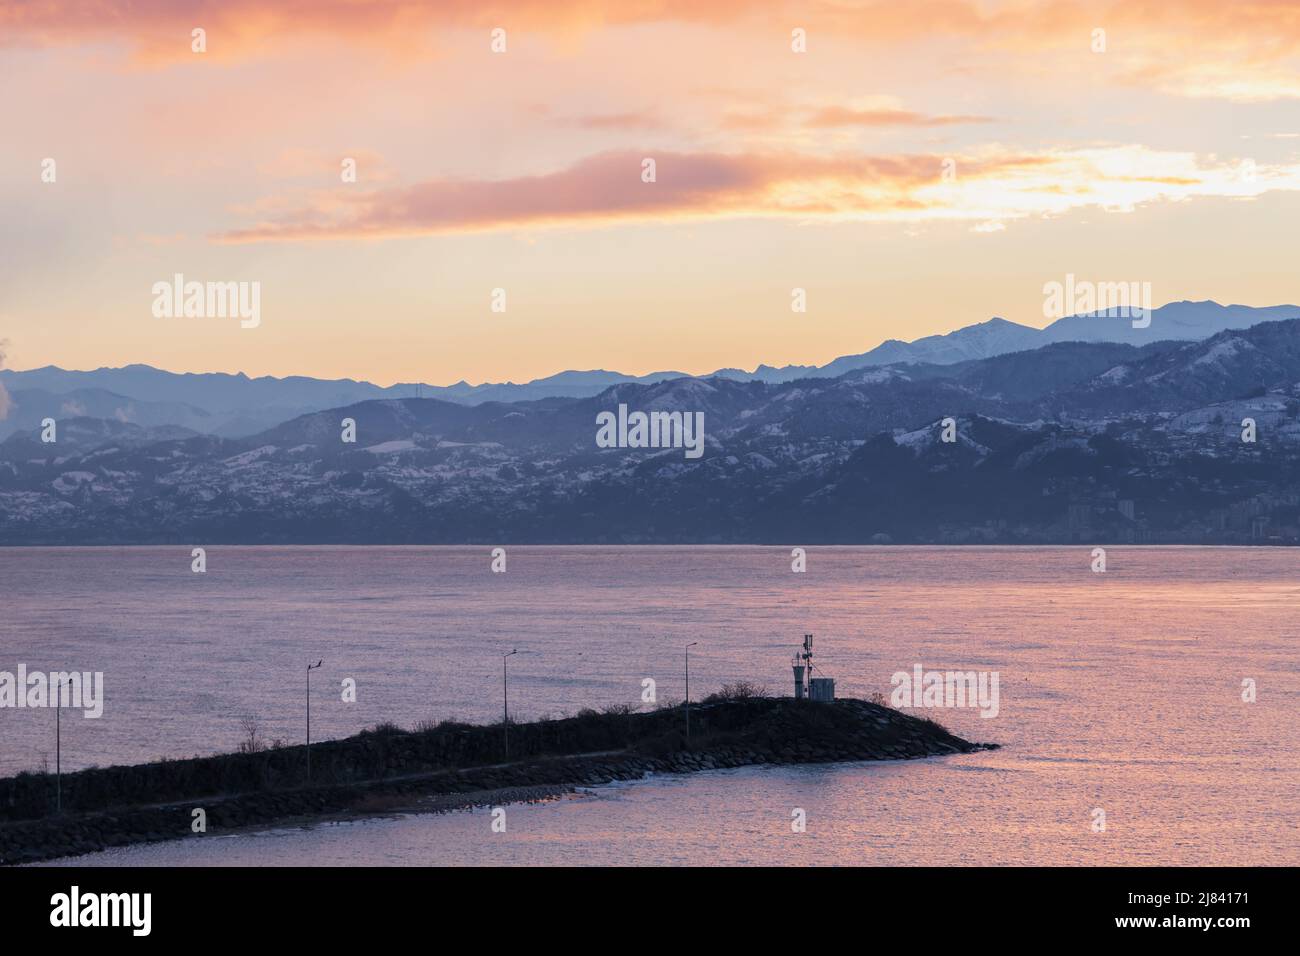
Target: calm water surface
<point>1119,690</point>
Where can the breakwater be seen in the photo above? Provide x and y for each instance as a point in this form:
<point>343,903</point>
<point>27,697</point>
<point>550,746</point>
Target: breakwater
<point>447,767</point>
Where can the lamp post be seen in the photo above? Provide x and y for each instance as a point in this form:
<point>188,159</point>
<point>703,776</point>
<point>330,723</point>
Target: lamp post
<point>58,745</point>
<point>505,700</point>
<point>688,687</point>
<point>310,668</point>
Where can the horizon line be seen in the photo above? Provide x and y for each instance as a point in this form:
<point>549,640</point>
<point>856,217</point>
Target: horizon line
<point>663,372</point>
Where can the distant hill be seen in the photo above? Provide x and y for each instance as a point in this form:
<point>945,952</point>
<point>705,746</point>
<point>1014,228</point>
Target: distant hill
<point>28,406</point>
<point>1177,320</point>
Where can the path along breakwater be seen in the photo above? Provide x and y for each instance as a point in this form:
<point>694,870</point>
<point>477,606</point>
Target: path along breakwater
<point>447,767</point>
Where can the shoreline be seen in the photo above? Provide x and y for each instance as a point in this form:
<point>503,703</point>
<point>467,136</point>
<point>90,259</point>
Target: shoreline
<point>443,769</point>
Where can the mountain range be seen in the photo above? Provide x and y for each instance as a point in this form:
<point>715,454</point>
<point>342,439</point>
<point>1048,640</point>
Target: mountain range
<point>1073,440</point>
<point>234,405</point>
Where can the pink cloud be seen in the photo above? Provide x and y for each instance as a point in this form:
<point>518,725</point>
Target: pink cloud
<point>605,187</point>
<point>608,188</point>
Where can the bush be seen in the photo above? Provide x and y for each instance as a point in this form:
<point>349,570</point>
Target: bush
<point>739,690</point>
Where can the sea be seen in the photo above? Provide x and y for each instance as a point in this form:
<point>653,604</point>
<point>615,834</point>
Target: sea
<point>1146,714</point>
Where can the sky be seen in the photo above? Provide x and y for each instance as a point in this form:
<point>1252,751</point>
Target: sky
<point>912,167</point>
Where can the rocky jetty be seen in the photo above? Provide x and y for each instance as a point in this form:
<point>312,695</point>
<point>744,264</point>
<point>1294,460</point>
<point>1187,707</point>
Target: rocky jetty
<point>448,767</point>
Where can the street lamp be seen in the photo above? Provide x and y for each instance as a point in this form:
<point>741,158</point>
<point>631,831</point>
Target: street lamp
<point>310,668</point>
<point>58,745</point>
<point>505,700</point>
<point>688,687</point>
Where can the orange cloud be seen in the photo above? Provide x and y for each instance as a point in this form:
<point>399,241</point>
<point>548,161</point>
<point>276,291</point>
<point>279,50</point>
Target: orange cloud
<point>1244,50</point>
<point>836,116</point>
<point>840,117</point>
<point>608,188</point>
<point>160,29</point>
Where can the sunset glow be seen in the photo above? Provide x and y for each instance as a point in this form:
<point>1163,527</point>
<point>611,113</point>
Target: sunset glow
<point>915,167</point>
